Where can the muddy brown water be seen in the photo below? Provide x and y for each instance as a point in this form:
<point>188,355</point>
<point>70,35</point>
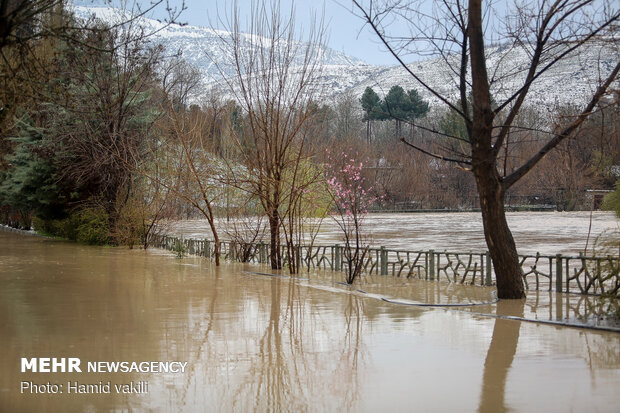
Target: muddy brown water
<point>549,233</point>
<point>260,343</point>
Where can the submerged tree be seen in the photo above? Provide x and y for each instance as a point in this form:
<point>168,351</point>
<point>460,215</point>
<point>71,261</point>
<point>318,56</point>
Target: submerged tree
<point>352,199</point>
<point>457,32</point>
<point>188,143</point>
<point>274,81</point>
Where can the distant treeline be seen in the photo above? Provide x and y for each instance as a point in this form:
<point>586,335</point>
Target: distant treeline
<point>100,143</point>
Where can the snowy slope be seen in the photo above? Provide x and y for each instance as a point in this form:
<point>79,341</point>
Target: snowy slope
<point>569,83</point>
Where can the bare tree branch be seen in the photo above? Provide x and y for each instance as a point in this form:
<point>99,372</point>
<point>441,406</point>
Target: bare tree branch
<point>565,132</point>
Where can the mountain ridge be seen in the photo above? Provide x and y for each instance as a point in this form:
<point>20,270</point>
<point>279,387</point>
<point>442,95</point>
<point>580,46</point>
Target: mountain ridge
<point>568,83</point>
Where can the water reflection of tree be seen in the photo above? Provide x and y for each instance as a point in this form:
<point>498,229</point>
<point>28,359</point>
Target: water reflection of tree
<point>294,366</point>
<point>200,334</point>
<point>499,357</point>
<point>352,349</point>
<point>273,374</point>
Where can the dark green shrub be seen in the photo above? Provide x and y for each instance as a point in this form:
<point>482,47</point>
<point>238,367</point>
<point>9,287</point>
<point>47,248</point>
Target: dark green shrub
<point>93,226</point>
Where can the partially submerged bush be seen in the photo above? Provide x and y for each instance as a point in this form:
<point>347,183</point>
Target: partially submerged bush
<point>93,227</point>
<point>87,226</point>
<point>129,229</point>
<point>605,271</point>
<point>179,248</point>
<point>611,202</point>
<point>62,228</point>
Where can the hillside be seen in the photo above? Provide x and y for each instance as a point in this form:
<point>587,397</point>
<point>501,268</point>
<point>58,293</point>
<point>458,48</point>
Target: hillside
<point>568,83</point>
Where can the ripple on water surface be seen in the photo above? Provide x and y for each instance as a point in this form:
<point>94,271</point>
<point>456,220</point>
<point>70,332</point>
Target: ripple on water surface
<point>267,343</point>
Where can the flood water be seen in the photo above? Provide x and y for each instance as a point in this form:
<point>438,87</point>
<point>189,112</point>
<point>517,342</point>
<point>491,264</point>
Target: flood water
<point>549,233</point>
<point>261,343</point>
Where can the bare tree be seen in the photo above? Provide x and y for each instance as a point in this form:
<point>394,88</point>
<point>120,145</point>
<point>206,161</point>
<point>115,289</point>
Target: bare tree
<point>187,141</point>
<point>115,115</point>
<point>24,20</point>
<point>347,122</point>
<point>179,81</point>
<point>146,211</point>
<point>455,31</point>
<point>274,81</point>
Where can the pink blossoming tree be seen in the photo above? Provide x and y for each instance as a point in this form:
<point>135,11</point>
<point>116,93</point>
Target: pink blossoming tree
<point>352,199</point>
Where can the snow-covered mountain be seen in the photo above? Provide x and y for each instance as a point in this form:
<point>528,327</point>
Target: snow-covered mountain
<point>568,83</point>
<point>201,46</point>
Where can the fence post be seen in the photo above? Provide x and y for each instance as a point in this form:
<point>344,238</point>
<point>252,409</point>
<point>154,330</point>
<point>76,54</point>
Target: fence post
<point>558,273</point>
<point>567,275</point>
<point>208,249</point>
<point>431,264</point>
<point>489,278</point>
<point>337,259</point>
<point>384,261</point>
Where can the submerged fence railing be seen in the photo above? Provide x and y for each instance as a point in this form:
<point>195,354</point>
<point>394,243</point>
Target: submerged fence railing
<point>560,273</point>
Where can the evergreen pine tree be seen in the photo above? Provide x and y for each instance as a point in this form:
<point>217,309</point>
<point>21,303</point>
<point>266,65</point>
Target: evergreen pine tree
<point>371,104</point>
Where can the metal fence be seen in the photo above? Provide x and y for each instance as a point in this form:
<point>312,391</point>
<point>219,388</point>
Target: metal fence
<point>561,273</point>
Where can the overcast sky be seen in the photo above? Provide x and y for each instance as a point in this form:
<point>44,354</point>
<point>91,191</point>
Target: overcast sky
<point>346,31</point>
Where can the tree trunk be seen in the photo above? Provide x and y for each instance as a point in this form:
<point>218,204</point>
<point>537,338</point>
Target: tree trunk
<point>216,238</point>
<point>499,239</point>
<point>274,232</point>
<point>500,242</point>
<point>216,249</point>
